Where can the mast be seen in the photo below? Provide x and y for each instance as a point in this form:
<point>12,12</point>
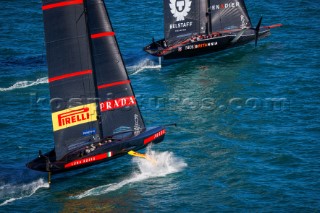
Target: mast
<point>203,18</point>
<point>93,68</point>
<point>208,15</point>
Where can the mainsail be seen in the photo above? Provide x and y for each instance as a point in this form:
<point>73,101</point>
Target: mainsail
<point>119,109</point>
<point>91,95</point>
<point>181,19</point>
<point>185,18</point>
<point>228,14</point>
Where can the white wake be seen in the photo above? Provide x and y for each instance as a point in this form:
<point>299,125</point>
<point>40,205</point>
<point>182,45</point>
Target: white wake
<point>25,84</point>
<point>11,193</point>
<point>166,164</point>
<point>143,65</point>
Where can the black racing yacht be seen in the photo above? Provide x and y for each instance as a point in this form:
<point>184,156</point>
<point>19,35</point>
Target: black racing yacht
<point>197,27</point>
<point>95,115</point>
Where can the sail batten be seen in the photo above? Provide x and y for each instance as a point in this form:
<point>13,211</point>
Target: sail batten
<point>61,4</point>
<point>69,75</point>
<point>113,84</point>
<point>103,34</point>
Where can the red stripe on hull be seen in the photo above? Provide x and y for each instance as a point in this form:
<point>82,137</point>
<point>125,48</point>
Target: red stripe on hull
<point>61,4</point>
<point>153,137</point>
<point>117,103</point>
<point>113,84</point>
<point>104,34</point>
<point>273,26</point>
<point>86,160</point>
<point>70,75</point>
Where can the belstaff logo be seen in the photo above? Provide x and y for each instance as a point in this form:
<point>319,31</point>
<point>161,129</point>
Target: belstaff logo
<point>74,116</point>
<point>180,8</point>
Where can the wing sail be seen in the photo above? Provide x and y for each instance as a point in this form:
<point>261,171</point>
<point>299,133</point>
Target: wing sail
<point>228,15</point>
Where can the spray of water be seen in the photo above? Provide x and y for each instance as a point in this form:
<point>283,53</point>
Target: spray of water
<point>166,163</point>
<point>135,69</point>
<point>25,84</point>
<point>10,193</point>
<point>143,65</point>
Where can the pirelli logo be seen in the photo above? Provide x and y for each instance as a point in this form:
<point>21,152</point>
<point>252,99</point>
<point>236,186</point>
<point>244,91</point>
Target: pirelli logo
<point>74,116</point>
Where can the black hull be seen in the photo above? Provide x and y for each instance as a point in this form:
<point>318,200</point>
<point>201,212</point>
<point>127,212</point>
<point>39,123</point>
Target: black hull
<point>201,47</point>
<point>105,152</point>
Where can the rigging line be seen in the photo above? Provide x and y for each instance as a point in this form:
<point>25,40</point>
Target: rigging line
<point>64,39</point>
<point>77,33</point>
<point>86,93</point>
<point>220,19</point>
<point>144,25</point>
<point>83,12</point>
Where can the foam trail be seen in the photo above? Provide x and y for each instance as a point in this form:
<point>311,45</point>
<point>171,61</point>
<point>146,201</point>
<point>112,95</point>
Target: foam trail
<point>17,192</point>
<point>166,164</point>
<point>25,84</point>
<point>142,65</point>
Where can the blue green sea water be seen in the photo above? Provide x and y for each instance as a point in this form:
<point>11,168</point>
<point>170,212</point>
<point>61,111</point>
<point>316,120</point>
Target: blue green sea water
<point>248,119</point>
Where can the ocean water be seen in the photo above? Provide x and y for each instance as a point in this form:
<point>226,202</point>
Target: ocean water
<point>248,119</point>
